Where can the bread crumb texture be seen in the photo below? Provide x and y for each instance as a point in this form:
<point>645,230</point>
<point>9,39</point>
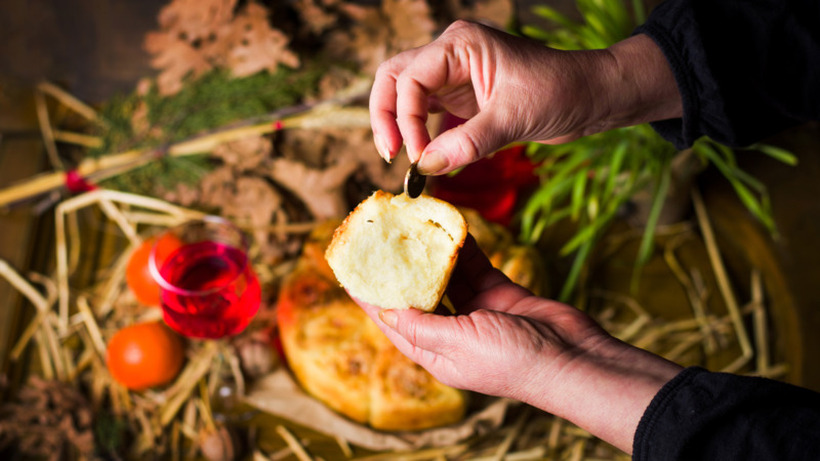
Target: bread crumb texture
<point>396,252</point>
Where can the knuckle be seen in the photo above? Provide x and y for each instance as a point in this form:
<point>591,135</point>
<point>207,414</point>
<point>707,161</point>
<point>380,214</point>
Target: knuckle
<point>459,24</point>
<point>468,148</point>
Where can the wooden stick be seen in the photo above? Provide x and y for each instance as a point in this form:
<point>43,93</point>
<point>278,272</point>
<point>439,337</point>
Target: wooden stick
<point>236,371</point>
<point>79,139</point>
<point>452,451</point>
<point>723,283</point>
<point>760,323</point>
<point>150,218</point>
<point>203,403</point>
<point>47,365</point>
<point>189,420</point>
<point>505,445</point>
<point>113,213</point>
<point>113,284</point>
<point>49,346</point>
<point>91,326</point>
<point>46,130</point>
<point>176,440</point>
<point>84,361</point>
<point>68,100</point>
<point>113,164</point>
<point>26,336</point>
<point>294,444</point>
<point>696,298</point>
<point>54,348</point>
<point>185,383</point>
<point>62,266</point>
<point>635,326</point>
<point>48,285</point>
<point>554,436</point>
<point>688,341</point>
<point>577,451</point>
<point>344,446</point>
<point>23,286</point>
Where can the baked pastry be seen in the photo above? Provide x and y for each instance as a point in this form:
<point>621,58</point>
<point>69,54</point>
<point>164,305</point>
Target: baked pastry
<point>523,264</point>
<point>396,252</point>
<point>339,356</point>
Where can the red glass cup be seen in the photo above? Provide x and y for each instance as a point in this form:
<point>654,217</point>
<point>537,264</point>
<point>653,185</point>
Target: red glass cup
<point>207,286</point>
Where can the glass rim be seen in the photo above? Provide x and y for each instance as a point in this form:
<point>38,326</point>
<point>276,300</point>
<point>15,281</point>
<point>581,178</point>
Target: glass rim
<point>164,284</point>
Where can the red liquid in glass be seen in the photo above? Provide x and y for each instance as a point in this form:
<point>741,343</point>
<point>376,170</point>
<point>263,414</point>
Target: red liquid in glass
<point>218,293</point>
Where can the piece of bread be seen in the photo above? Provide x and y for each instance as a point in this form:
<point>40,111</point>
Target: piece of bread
<point>396,252</point>
<point>338,355</point>
<point>404,396</point>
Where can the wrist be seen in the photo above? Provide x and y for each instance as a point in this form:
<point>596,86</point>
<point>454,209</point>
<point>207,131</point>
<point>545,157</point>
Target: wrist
<point>638,84</point>
<point>604,387</point>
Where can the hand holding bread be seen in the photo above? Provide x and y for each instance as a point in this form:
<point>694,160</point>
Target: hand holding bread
<point>397,252</point>
<point>507,342</point>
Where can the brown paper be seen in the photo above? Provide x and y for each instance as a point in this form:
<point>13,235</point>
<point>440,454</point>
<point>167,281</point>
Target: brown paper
<point>280,395</point>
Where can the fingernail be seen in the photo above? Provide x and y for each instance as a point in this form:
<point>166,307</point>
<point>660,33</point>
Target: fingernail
<point>389,317</point>
<point>432,162</point>
<point>381,147</point>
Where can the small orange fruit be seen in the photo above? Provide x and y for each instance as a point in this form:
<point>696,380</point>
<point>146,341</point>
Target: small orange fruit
<point>145,355</point>
<point>138,276</point>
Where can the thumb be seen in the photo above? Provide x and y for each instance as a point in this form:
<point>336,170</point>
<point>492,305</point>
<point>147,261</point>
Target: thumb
<point>462,145</point>
<point>423,332</point>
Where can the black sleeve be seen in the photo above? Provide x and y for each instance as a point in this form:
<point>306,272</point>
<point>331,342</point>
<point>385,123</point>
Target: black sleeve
<point>701,415</point>
<point>746,69</point>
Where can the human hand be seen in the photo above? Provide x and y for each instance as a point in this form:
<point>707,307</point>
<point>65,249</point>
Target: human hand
<point>504,341</point>
<point>512,89</point>
<point>486,76</point>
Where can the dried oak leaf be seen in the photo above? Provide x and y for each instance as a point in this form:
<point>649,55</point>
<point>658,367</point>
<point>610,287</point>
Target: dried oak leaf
<point>379,32</point>
<point>411,23</point>
<point>216,186</point>
<point>321,191</point>
<point>356,146</point>
<point>188,43</point>
<point>246,153</point>
<point>194,20</point>
<point>254,203</point>
<point>331,83</point>
<point>177,60</point>
<point>366,42</point>
<point>316,15</point>
<point>308,146</point>
<point>181,194</point>
<point>256,46</point>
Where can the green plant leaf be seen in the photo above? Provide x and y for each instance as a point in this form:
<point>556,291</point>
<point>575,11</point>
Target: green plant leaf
<point>578,188</point>
<point>552,15</point>
<point>622,161</point>
<point>537,33</point>
<point>658,200</point>
<point>615,163</point>
<point>777,153</point>
<point>578,264</point>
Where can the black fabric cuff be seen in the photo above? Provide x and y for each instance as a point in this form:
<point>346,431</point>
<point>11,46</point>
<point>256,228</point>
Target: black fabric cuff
<point>642,442</point>
<point>702,415</point>
<point>679,131</point>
